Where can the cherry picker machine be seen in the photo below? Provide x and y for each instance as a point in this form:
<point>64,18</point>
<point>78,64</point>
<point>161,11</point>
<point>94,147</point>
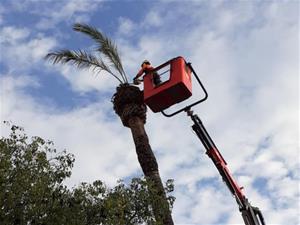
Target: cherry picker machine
<point>177,88</point>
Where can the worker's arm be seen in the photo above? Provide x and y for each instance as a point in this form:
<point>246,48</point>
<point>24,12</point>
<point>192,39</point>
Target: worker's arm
<point>140,73</point>
<point>135,79</point>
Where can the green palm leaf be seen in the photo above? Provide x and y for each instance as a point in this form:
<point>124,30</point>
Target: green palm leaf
<point>105,46</point>
<point>81,59</point>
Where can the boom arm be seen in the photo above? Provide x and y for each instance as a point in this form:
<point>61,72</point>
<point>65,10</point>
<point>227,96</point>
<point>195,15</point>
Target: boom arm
<point>251,215</point>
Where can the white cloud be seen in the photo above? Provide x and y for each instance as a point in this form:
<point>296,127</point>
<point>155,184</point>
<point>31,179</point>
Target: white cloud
<point>20,51</point>
<point>10,35</point>
<point>153,19</point>
<point>78,10</point>
<point>126,26</point>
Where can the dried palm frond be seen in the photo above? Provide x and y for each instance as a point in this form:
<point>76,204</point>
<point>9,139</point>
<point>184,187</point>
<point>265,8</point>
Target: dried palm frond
<point>81,59</point>
<point>105,46</point>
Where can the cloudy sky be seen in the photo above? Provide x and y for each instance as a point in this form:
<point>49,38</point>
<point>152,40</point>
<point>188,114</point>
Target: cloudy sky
<point>247,55</point>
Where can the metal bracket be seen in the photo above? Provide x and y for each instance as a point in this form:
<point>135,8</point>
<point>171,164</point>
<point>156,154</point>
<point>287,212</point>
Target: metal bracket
<point>186,108</point>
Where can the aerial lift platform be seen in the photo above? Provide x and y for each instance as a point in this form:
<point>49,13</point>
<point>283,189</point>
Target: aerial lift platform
<point>176,89</point>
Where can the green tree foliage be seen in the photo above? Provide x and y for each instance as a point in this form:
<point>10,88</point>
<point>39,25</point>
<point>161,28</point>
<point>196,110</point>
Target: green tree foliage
<point>32,189</point>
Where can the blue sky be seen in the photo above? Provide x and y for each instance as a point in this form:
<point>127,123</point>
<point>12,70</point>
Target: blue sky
<point>247,55</point>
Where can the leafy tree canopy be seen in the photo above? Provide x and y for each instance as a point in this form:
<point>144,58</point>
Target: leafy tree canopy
<point>32,192</point>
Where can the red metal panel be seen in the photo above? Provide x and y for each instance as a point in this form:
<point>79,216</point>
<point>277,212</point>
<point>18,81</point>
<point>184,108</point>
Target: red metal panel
<point>175,90</point>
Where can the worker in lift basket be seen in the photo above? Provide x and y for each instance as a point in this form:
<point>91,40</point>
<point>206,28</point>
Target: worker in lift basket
<point>147,69</point>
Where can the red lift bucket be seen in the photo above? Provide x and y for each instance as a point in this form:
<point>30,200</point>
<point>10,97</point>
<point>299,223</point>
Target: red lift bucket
<point>174,90</point>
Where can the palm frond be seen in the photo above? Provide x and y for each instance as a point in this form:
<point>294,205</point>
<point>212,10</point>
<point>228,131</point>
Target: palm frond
<point>105,46</point>
<point>81,59</point>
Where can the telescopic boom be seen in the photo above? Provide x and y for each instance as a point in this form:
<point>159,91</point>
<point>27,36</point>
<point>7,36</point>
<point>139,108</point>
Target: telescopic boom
<point>251,215</point>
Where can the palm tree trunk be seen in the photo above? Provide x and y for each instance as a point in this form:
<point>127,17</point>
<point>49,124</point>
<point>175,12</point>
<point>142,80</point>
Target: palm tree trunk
<point>149,166</point>
<point>129,105</point>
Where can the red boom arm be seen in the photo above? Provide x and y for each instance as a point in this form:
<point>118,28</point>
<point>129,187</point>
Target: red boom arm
<point>251,215</point>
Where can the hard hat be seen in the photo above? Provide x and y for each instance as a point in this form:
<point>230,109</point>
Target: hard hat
<point>146,61</point>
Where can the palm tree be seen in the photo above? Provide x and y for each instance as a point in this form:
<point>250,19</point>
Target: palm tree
<point>127,103</point>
